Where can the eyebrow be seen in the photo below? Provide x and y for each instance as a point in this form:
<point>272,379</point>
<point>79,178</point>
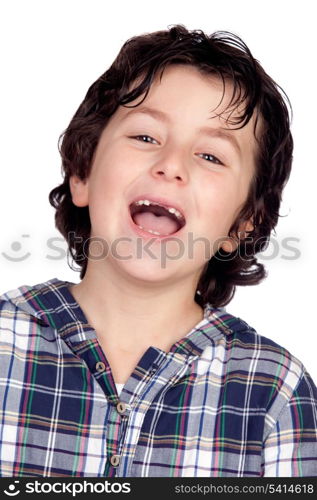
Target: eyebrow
<point>209,131</point>
<point>155,113</point>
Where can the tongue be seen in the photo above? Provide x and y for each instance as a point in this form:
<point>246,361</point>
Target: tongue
<point>160,223</point>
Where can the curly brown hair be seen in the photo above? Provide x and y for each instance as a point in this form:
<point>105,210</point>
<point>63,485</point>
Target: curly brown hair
<point>227,56</point>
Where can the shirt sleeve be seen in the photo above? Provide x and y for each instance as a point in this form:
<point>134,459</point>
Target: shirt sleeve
<point>290,450</point>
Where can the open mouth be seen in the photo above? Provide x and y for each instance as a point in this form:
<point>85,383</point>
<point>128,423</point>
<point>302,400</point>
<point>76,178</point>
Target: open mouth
<point>155,218</point>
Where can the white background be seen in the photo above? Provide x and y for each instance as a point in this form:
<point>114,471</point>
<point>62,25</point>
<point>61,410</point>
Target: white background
<point>52,51</point>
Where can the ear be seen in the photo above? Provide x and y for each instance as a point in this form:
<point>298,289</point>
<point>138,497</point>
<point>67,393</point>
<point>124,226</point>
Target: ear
<point>230,244</point>
<point>79,191</point>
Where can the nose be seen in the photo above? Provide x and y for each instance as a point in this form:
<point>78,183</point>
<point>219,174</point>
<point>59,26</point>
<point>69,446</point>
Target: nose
<point>171,167</point>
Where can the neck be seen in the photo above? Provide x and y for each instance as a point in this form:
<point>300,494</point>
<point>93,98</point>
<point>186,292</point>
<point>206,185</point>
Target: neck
<point>127,313</point>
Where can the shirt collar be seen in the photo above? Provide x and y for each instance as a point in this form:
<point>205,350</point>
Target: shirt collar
<point>52,304</point>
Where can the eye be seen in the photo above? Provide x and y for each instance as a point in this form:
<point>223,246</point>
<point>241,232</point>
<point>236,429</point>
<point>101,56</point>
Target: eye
<point>210,158</point>
<point>145,138</point>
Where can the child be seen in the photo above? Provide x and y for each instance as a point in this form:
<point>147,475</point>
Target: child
<point>174,167</point>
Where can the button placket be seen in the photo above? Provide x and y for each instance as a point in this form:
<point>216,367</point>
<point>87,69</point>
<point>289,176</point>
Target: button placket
<point>117,426</point>
<point>169,371</point>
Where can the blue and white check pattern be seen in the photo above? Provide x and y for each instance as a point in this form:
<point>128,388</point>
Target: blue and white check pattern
<point>224,401</point>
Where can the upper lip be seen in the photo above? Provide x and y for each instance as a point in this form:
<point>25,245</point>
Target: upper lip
<point>165,202</point>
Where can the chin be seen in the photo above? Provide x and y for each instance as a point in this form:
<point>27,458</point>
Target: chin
<point>148,270</point>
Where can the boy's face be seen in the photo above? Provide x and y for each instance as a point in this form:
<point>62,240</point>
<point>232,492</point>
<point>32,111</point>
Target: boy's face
<point>174,149</point>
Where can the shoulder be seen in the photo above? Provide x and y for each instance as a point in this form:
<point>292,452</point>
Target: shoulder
<point>23,306</point>
<point>246,348</point>
<point>259,367</point>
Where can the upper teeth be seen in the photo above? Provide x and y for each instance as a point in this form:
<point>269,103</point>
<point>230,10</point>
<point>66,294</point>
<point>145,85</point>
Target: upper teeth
<point>171,210</point>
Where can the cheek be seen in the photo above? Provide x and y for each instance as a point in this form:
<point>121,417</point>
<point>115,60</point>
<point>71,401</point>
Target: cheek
<point>220,200</point>
<point>109,178</point>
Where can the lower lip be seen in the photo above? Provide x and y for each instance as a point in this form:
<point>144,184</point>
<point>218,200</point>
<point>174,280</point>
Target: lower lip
<point>144,234</point>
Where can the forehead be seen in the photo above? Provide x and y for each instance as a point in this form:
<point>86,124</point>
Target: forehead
<point>183,90</point>
<point>181,80</point>
<point>185,99</point>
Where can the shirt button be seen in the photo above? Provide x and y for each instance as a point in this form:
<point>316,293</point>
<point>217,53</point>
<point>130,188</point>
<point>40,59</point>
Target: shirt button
<point>121,407</point>
<point>115,460</point>
<point>100,366</point>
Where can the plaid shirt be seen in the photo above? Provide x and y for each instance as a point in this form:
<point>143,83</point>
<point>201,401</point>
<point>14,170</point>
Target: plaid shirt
<point>224,401</point>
